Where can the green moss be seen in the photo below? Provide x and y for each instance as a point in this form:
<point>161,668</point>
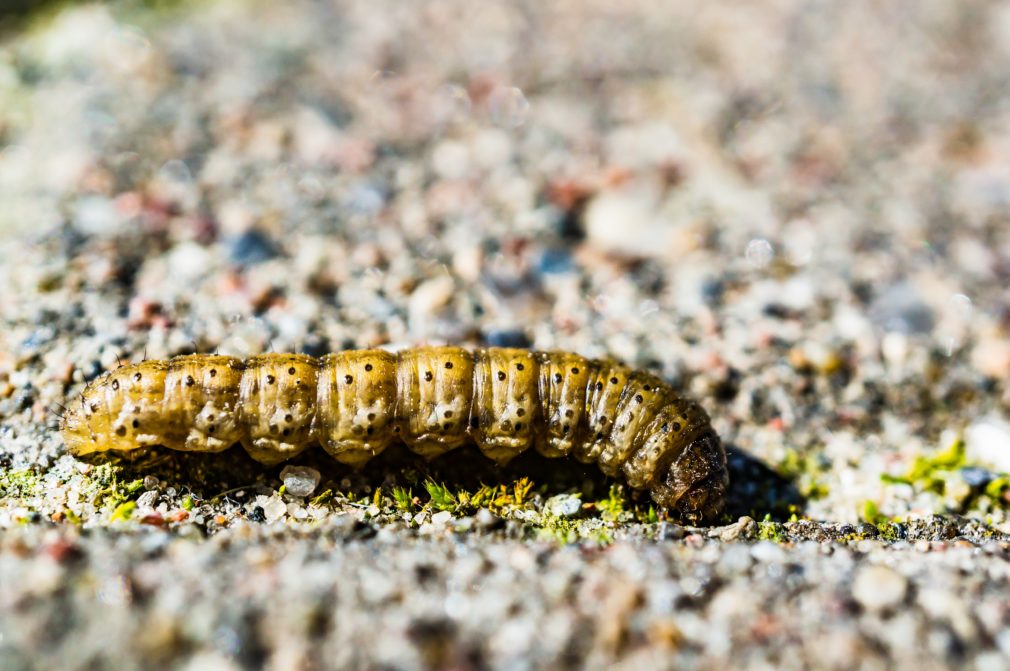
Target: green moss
<point>887,529</point>
<point>770,531</point>
<point>870,513</point>
<point>890,531</point>
<point>805,472</point>
<point>612,507</point>
<point>926,473</point>
<point>650,516</point>
<point>123,511</point>
<point>322,499</point>
<point>562,530</point>
<point>521,490</point>
<point>19,484</point>
<point>404,499</point>
<point>996,488</point>
<point>441,496</point>
<point>106,490</point>
<point>933,474</point>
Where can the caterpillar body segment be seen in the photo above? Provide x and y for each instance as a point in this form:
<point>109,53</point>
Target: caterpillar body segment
<point>360,389</point>
<point>433,399</point>
<point>563,380</point>
<point>278,406</point>
<point>505,413</point>
<point>202,400</point>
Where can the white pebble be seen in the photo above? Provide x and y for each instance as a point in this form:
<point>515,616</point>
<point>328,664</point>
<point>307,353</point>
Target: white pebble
<point>492,148</point>
<point>299,480</point>
<point>429,297</point>
<point>274,509</point>
<point>626,222</point>
<point>441,519</point>
<point>990,661</point>
<point>147,499</point>
<point>57,495</point>
<point>988,441</point>
<point>564,505</point>
<point>766,551</point>
<point>96,215</point>
<point>451,159</point>
<point>879,587</point>
<point>759,253</point>
<point>188,261</point>
<point>991,356</point>
<point>509,106</point>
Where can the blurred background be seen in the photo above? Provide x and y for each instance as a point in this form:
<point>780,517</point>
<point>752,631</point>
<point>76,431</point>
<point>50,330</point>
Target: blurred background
<point>796,211</point>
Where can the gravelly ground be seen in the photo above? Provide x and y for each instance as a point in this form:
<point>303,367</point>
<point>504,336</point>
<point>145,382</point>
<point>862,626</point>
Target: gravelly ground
<point>795,211</point>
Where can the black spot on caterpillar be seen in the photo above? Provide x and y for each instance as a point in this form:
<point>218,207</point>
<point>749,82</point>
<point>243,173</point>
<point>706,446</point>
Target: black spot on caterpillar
<point>433,399</point>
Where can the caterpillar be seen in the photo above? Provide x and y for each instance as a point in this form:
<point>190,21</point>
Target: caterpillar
<point>433,399</point>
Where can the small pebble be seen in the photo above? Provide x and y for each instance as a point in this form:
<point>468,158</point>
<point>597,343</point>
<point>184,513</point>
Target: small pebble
<point>877,588</point>
<point>507,338</point>
<point>626,223</point>
<point>976,477</point>
<point>759,253</point>
<point>440,519</point>
<point>148,499</point>
<point>744,526</point>
<point>555,261</point>
<point>668,531</point>
<point>988,441</point>
<point>900,309</point>
<point>429,296</point>
<point>299,480</point>
<point>991,356</point>
<point>251,247</point>
<point>96,215</point>
<point>564,505</point>
<point>274,509</point>
<point>766,551</point>
<point>487,520</point>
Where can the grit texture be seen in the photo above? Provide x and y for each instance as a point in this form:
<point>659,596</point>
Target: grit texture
<point>797,213</point>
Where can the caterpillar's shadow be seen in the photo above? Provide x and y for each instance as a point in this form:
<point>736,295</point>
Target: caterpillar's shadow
<point>209,476</point>
<point>757,490</point>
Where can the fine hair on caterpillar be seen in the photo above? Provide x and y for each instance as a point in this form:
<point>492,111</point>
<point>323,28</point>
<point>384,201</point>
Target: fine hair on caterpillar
<point>432,399</point>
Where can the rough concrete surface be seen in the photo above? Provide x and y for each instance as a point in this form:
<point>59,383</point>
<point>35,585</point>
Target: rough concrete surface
<point>797,212</point>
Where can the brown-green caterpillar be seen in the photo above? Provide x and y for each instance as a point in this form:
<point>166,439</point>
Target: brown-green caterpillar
<point>433,399</point>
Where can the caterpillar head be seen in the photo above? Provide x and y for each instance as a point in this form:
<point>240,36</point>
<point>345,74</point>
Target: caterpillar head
<point>704,500</point>
<point>694,485</point>
<point>76,430</point>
